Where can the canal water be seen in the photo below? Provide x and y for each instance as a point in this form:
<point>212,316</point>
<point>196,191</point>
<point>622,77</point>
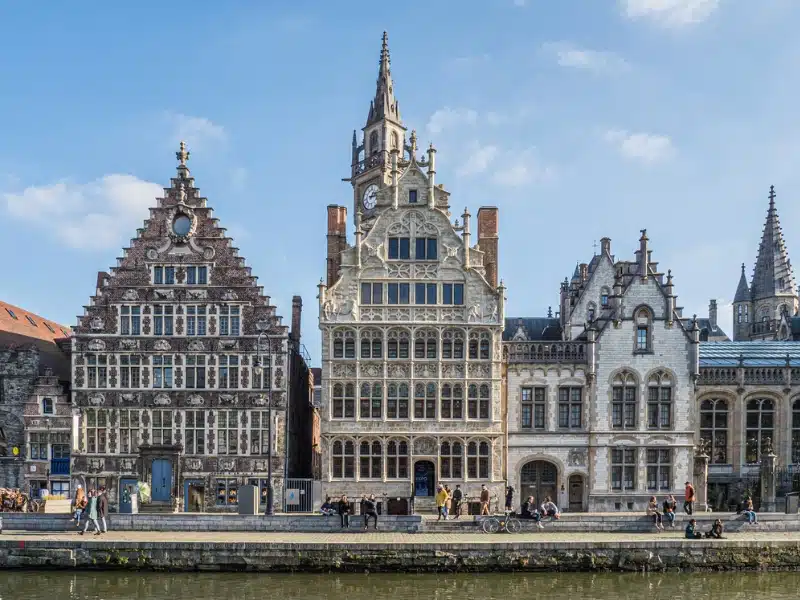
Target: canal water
<point>59,585</point>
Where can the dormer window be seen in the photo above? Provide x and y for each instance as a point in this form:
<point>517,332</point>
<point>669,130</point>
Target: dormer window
<point>31,321</point>
<point>604,297</point>
<point>643,342</point>
<point>412,196</point>
<point>47,406</point>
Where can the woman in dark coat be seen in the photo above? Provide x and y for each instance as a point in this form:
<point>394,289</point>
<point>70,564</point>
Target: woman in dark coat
<point>344,511</point>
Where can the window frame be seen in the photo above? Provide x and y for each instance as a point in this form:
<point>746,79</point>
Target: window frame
<point>624,462</point>
<point>571,403</point>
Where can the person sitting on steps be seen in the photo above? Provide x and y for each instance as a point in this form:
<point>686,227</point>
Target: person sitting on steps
<point>549,509</point>
<point>670,506</point>
<point>691,531</point>
<point>529,511</point>
<point>716,530</point>
<point>327,507</point>
<point>344,511</point>
<point>652,511</point>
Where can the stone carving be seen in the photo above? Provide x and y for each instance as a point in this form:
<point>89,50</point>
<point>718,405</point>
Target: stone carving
<point>162,400</point>
<point>97,324</point>
<point>493,312</point>
<point>196,346</point>
<point>401,270</point>
<point>96,465</point>
<point>521,334</point>
<point>229,399</point>
<point>229,295</point>
<point>193,464</point>
<point>425,314</point>
<point>259,400</point>
<point>399,314</point>
<point>336,307</point>
<point>162,345</point>
<point>228,344</point>
<point>260,465</point>
<point>127,344</point>
<point>152,254</point>
<point>196,400</point>
<point>127,464</point>
<point>372,314</point>
<point>398,370</point>
<point>425,446</point>
<point>129,398</point>
<point>97,399</point>
<point>340,370</point>
<point>371,370</point>
<point>375,252</point>
<point>96,345</point>
<point>452,314</point>
<point>197,294</point>
<point>167,294</point>
<point>130,295</point>
<point>426,271</point>
<point>208,253</point>
<point>577,458</point>
<point>227,464</point>
<point>450,251</point>
<point>474,313</point>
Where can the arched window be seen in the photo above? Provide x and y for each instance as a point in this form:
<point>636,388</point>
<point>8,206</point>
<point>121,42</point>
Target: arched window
<point>473,349</point>
<point>604,294</point>
<point>425,344</point>
<point>643,342</point>
<point>452,401</point>
<point>453,344</point>
<point>740,314</point>
<point>478,401</point>
<point>591,312</point>
<point>338,348</point>
<point>344,344</point>
<point>425,401</point>
<point>451,460</point>
<point>344,401</point>
<point>371,404</point>
<point>623,401</point>
<point>714,428</point>
<point>659,401</point>
<point>370,459</point>
<point>374,148</point>
<point>397,459</point>
<point>397,401</point>
<point>344,460</point>
<point>398,344</point>
<point>796,432</point>
<point>760,428</point>
<point>478,455</point>
<point>371,344</point>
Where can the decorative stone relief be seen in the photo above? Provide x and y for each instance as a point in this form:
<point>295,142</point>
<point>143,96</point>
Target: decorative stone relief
<point>128,344</point>
<point>195,400</point>
<point>193,464</point>
<point>152,254</point>
<point>97,399</point>
<point>344,370</point>
<point>179,325</point>
<point>162,345</point>
<point>129,398</point>
<point>197,346</point>
<point>396,371</point>
<point>164,294</point>
<point>372,314</point>
<point>452,314</point>
<point>97,324</point>
<point>425,446</point>
<point>127,464</point>
<point>197,294</point>
<point>371,369</point>
<point>96,345</point>
<point>425,314</point>
<point>227,464</point>
<point>228,399</point>
<point>476,370</point>
<point>162,400</point>
<point>146,325</point>
<point>398,314</point>
<point>229,295</point>
<point>577,458</point>
<point>260,465</point>
<point>474,313</point>
<point>96,465</point>
<point>399,270</point>
<point>130,295</point>
<point>228,344</point>
<point>212,325</point>
<point>259,400</point>
<point>426,271</point>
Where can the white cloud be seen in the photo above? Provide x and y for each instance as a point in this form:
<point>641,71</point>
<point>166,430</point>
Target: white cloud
<point>196,131</point>
<point>478,159</point>
<point>93,215</point>
<point>520,3</point>
<point>670,13</point>
<point>644,147</point>
<point>570,56</point>
<point>238,178</point>
<point>446,118</point>
<point>522,168</point>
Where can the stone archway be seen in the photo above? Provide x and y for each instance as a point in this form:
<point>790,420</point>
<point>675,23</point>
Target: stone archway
<point>539,478</point>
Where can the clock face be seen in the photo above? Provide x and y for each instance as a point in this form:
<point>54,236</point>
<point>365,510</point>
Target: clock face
<point>370,198</point>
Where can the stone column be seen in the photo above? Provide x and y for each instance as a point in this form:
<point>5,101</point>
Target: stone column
<point>700,478</point>
<point>768,480</point>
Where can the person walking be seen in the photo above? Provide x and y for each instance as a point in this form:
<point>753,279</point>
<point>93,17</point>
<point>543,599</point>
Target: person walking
<point>441,502</point>
<point>78,506</point>
<point>448,501</point>
<point>509,499</point>
<point>344,511</point>
<point>370,511</point>
<point>688,502</point>
<point>91,514</point>
<point>458,497</point>
<point>484,500</point>
<point>102,509</point>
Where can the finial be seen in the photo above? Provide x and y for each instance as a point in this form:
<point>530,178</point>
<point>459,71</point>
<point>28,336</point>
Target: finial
<point>549,312</point>
<point>355,140</point>
<point>182,154</point>
<point>431,148</point>
<point>414,143</point>
<point>669,276</point>
<point>594,247</point>
<point>742,268</point>
<point>772,194</point>
<point>644,234</point>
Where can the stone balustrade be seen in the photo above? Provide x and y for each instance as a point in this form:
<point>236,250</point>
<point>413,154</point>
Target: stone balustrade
<point>747,375</point>
<point>545,352</point>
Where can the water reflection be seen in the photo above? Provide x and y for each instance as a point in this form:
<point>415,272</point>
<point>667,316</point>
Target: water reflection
<point>54,585</point>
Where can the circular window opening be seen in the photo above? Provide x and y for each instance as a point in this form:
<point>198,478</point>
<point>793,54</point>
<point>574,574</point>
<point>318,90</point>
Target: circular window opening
<point>182,225</point>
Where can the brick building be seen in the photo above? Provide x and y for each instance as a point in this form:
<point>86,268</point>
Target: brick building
<point>182,369</point>
<point>35,411</point>
<point>411,320</point>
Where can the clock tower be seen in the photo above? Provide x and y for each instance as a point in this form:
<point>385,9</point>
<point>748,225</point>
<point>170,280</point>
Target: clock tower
<point>383,133</point>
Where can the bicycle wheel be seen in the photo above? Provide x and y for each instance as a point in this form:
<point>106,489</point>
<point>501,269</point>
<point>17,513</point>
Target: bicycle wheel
<point>513,525</point>
<point>491,525</point>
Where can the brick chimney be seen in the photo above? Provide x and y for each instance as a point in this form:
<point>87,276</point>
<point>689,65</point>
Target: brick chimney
<point>712,313</point>
<point>488,231</point>
<point>297,311</point>
<point>584,272</point>
<point>605,245</point>
<point>337,240</point>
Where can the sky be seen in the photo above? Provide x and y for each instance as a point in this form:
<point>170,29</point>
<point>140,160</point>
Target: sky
<point>579,119</point>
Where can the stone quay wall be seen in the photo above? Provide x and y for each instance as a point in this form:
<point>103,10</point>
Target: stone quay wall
<point>662,555</point>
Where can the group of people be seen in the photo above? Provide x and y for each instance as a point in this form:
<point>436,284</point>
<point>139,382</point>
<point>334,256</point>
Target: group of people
<point>344,508</point>
<point>530,511</point>
<point>92,507</point>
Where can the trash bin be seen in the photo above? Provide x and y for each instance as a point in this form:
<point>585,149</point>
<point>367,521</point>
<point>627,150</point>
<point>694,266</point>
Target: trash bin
<point>792,503</point>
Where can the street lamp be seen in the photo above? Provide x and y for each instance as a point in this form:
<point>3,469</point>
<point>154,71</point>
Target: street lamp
<point>258,368</point>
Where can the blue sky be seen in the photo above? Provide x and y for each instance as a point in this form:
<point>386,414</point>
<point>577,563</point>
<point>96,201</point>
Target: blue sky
<point>578,118</point>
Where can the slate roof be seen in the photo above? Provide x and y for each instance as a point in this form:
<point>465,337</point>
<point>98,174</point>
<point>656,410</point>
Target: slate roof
<point>537,328</point>
<point>705,323</point>
<point>752,354</point>
<point>773,274</point>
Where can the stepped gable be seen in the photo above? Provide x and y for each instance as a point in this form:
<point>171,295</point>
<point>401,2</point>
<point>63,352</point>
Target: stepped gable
<point>180,231</point>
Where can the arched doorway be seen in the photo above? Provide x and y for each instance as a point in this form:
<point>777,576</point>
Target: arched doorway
<point>576,493</point>
<point>539,478</point>
<point>424,478</point>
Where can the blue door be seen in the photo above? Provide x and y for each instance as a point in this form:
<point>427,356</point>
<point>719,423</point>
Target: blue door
<point>423,478</point>
<point>161,482</point>
<point>127,487</point>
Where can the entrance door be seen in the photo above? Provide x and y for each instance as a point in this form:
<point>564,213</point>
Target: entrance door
<point>424,478</point>
<point>576,493</point>
<point>539,479</point>
<point>194,496</point>
<point>126,488</point>
<point>161,480</point>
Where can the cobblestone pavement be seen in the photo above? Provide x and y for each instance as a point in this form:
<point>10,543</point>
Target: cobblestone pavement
<point>377,537</point>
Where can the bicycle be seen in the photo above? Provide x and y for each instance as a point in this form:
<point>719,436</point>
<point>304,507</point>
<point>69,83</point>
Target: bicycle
<point>505,524</point>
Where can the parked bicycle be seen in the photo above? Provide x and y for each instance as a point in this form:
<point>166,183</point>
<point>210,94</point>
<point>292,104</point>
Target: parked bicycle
<point>505,524</point>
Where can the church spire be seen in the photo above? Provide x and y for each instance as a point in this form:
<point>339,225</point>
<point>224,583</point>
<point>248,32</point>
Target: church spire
<point>773,275</point>
<point>384,105</point>
<point>742,290</point>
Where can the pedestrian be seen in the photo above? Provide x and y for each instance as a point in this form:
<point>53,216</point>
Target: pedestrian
<point>484,500</point>
<point>750,512</point>
<point>670,506</point>
<point>448,501</point>
<point>509,499</point>
<point>78,505</point>
<point>458,496</point>
<point>652,510</point>
<point>91,514</point>
<point>441,501</point>
<point>688,503</point>
<point>344,511</point>
<point>370,511</point>
<point>102,509</point>
<point>691,531</point>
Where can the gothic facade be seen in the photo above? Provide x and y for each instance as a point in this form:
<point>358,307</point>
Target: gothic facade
<point>411,317</point>
<point>180,366</point>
